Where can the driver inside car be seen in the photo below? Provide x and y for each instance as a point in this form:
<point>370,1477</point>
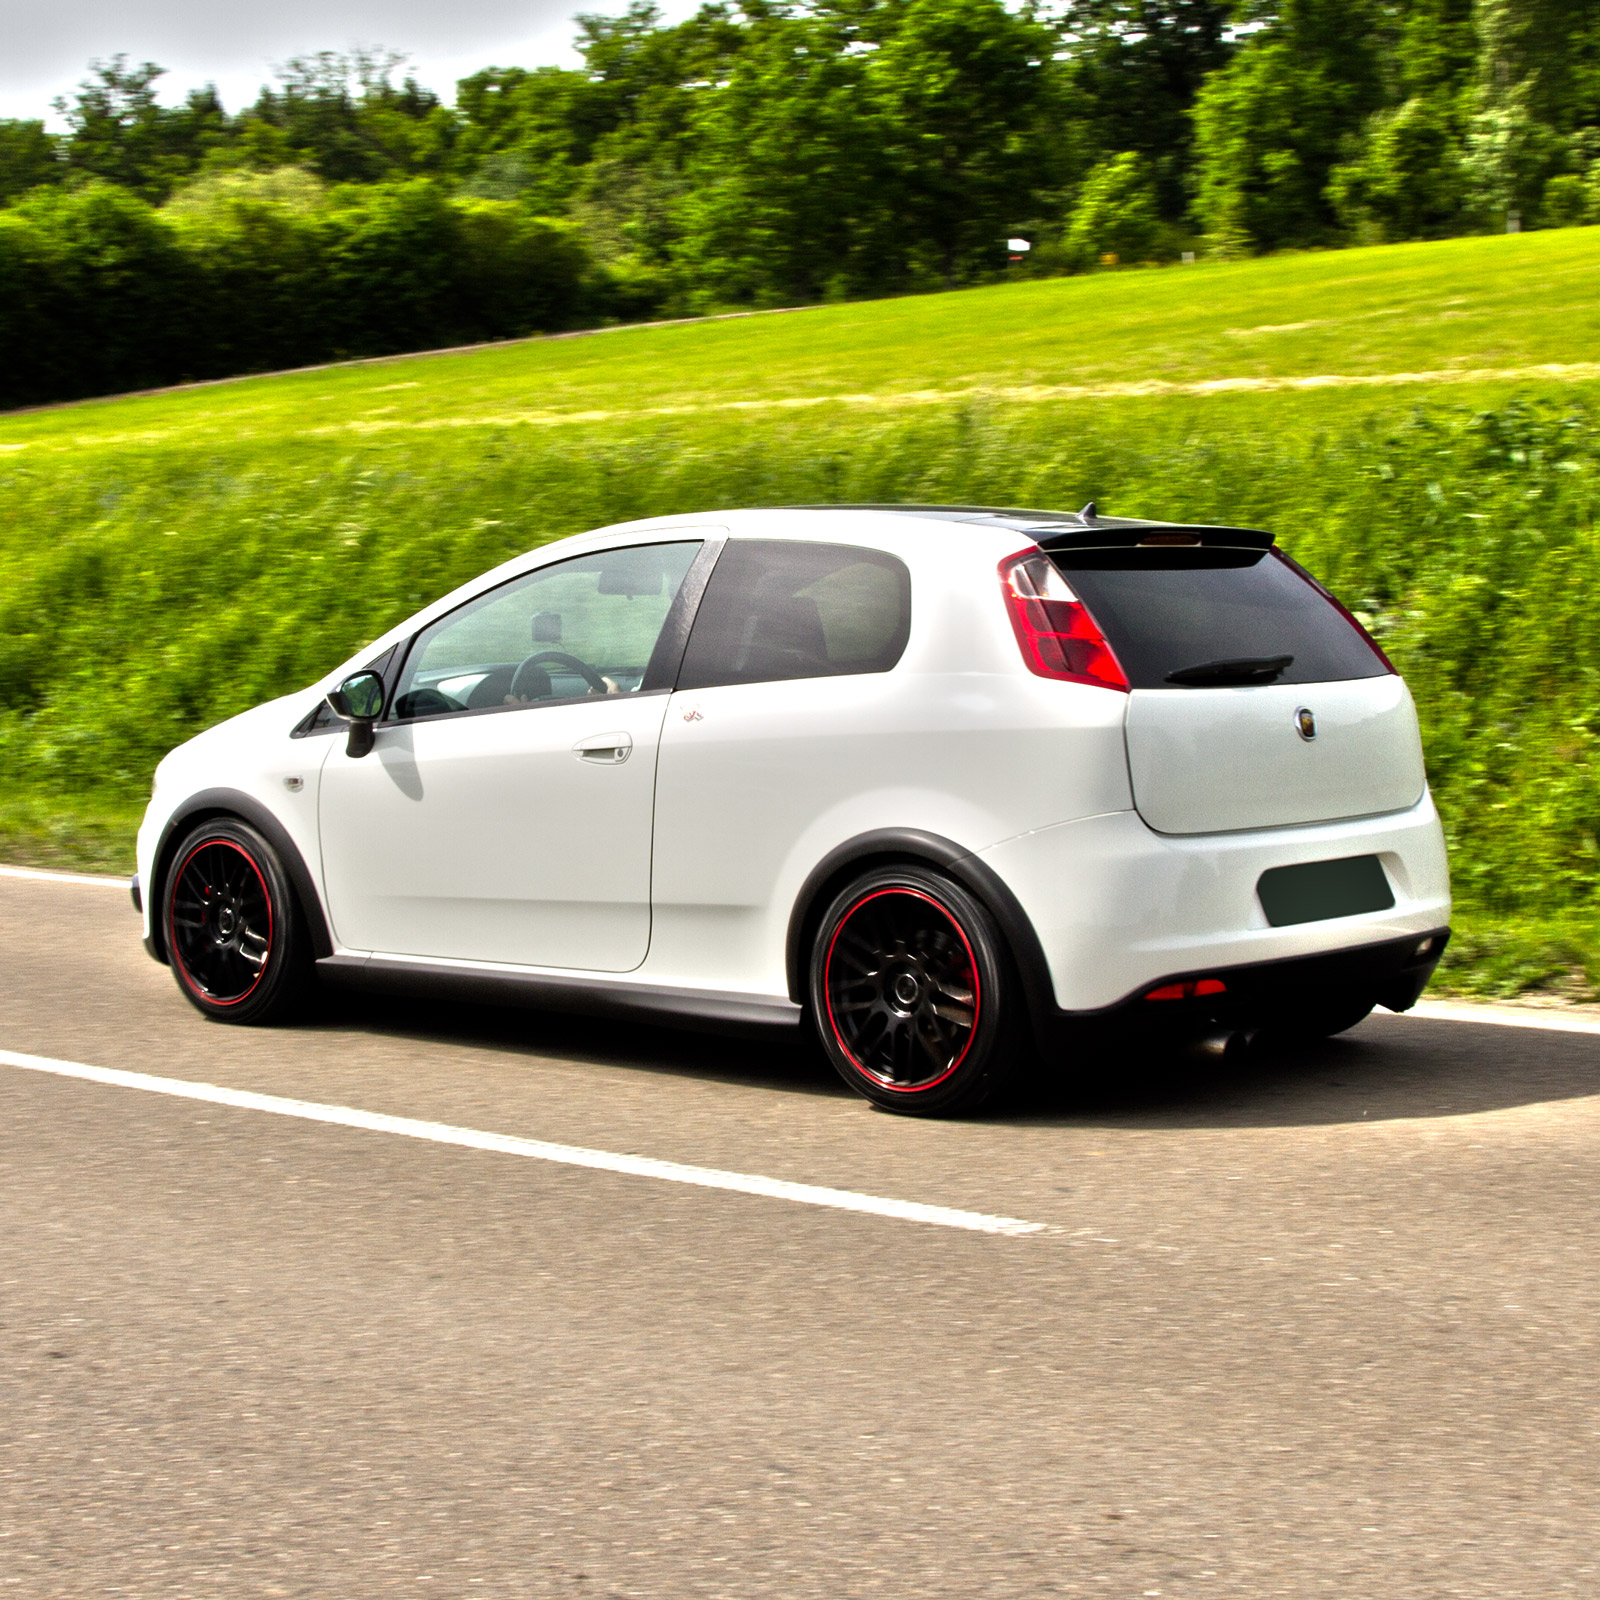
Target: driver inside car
<point>532,680</point>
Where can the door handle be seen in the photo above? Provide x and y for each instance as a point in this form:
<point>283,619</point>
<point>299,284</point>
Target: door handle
<point>605,749</point>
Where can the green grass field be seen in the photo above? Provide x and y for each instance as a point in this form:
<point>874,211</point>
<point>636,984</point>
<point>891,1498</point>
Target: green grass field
<point>1462,305</point>
<point>170,559</point>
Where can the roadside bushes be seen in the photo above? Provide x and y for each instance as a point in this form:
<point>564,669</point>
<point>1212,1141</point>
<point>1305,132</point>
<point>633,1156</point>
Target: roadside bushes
<point>101,292</point>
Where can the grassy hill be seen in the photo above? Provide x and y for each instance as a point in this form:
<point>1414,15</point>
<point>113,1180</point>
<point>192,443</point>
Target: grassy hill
<point>1409,311</point>
<point>169,559</point>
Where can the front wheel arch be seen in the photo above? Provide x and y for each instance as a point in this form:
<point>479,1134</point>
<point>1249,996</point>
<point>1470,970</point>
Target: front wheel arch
<point>209,805</point>
<point>888,847</point>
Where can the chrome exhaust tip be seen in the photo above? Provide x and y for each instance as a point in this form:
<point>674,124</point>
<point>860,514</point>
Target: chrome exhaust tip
<point>1222,1045</point>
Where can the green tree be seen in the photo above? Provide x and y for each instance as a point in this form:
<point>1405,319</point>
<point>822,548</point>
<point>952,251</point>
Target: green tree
<point>1118,214</point>
<point>119,131</point>
<point>955,91</point>
<point>1406,176</point>
<point>28,157</point>
<point>1568,202</point>
<point>1538,102</point>
<point>1547,54</point>
<point>1409,180</point>
<point>525,134</point>
<point>342,117</point>
<point>1136,67</point>
<point>1436,48</point>
<point>98,293</point>
<point>783,199</point>
<point>1510,157</point>
<point>1271,125</point>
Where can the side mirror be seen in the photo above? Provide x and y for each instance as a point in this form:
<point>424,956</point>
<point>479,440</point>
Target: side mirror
<point>359,700</point>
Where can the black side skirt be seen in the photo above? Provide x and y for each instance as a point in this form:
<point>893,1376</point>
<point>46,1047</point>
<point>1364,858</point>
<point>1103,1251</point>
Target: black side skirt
<point>596,997</point>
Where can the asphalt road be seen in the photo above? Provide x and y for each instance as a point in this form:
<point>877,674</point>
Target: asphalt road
<point>1321,1325</point>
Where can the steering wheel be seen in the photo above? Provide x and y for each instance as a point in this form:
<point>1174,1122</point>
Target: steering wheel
<point>559,658</point>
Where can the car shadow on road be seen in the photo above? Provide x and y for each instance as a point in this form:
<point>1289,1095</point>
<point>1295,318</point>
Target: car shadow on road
<point>1387,1068</point>
<point>783,1059</point>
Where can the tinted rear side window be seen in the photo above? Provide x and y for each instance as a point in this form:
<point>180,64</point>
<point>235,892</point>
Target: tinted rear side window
<point>1162,618</point>
<point>777,609</point>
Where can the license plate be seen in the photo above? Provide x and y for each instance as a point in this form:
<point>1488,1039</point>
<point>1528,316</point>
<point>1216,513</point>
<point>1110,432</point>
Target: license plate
<point>1317,890</point>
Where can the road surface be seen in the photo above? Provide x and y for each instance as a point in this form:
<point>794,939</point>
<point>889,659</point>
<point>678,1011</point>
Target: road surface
<point>1307,1326</point>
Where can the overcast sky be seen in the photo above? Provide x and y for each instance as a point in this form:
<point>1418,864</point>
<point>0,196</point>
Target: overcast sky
<point>45,45</point>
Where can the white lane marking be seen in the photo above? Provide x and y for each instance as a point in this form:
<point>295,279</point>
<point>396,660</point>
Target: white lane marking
<point>64,877</point>
<point>807,1194</point>
<point>1502,1016</point>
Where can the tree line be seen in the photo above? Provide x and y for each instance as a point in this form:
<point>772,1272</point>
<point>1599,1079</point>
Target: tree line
<point>773,152</point>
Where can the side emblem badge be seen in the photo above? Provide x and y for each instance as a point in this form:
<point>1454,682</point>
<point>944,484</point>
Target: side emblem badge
<point>692,714</point>
<point>1305,721</point>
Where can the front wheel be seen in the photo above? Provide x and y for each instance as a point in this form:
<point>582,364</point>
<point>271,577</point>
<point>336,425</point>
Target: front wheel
<point>233,931</point>
<point>914,994</point>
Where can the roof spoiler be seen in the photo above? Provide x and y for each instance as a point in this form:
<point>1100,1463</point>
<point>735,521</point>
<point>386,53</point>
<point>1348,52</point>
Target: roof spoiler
<point>1077,530</point>
<point>1090,531</point>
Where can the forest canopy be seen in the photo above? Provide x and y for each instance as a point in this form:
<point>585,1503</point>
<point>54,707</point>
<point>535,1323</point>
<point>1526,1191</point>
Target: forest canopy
<point>768,154</point>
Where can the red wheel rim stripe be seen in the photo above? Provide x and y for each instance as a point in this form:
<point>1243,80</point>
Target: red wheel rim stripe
<point>172,940</point>
<point>977,991</point>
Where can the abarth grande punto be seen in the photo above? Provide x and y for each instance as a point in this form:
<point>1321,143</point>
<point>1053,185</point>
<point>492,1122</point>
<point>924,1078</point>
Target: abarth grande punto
<point>956,786</point>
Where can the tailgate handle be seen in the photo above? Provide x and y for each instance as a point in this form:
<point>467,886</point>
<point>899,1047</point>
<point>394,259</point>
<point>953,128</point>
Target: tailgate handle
<point>605,749</point>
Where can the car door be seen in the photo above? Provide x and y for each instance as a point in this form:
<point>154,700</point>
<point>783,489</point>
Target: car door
<point>783,717</point>
<point>504,812</point>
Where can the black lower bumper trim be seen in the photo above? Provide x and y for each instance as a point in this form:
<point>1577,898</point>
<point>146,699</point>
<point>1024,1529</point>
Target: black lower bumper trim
<point>1391,974</point>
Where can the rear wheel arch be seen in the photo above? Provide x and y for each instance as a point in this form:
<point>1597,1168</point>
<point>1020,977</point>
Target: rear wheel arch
<point>889,847</point>
<point>210,805</point>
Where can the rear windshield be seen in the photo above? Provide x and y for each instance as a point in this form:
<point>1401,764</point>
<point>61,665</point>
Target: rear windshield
<point>1167,616</point>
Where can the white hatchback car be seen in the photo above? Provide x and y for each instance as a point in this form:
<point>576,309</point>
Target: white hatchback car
<point>957,784</point>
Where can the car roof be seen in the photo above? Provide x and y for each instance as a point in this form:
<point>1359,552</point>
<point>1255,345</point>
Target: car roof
<point>1062,530</point>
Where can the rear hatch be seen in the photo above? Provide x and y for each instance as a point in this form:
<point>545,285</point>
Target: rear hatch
<point>1256,700</point>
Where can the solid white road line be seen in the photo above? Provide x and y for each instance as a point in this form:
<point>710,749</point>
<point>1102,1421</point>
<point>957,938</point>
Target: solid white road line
<point>806,1194</point>
<point>64,877</point>
<point>1503,1016</point>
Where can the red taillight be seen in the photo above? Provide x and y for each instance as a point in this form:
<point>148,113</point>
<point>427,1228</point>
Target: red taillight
<point>1188,991</point>
<point>1058,637</point>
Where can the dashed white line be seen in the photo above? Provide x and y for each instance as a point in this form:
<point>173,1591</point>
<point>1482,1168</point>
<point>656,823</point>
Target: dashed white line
<point>807,1194</point>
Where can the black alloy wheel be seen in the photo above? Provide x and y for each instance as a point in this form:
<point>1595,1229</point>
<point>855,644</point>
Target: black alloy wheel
<point>914,995</point>
<point>233,931</point>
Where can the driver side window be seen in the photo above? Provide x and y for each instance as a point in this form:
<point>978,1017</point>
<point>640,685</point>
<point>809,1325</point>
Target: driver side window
<point>582,627</point>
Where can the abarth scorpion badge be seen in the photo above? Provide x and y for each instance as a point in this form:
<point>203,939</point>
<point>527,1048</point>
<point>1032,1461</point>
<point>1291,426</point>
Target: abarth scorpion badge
<point>1305,720</point>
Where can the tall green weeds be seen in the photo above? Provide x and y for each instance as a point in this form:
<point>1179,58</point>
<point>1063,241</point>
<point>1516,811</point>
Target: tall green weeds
<point>148,592</point>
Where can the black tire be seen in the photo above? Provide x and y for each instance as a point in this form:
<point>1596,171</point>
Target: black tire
<point>235,937</point>
<point>914,994</point>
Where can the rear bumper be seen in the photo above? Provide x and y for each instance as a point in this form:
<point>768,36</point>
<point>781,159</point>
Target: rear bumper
<point>1119,909</point>
<point>1278,993</point>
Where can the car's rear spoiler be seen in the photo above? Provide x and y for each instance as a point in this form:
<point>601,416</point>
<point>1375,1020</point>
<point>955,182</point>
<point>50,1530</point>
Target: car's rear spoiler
<point>1080,530</point>
<point>1122,533</point>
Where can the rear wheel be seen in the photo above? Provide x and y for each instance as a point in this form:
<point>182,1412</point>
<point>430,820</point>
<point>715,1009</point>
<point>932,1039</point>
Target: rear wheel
<point>233,931</point>
<point>914,994</point>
